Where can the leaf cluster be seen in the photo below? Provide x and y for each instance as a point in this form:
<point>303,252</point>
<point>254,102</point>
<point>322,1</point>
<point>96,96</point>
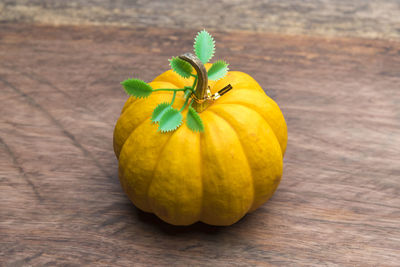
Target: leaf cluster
<point>169,118</point>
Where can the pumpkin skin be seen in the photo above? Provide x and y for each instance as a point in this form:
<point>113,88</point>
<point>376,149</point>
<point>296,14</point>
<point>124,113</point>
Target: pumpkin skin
<point>216,176</point>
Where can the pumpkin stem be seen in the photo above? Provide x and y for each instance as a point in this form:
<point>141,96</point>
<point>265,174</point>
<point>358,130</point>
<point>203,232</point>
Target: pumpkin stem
<point>200,100</point>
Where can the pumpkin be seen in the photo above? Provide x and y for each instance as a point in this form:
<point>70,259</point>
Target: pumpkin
<point>215,176</point>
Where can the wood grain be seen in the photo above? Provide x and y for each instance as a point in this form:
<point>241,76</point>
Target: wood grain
<point>360,18</point>
<point>60,199</point>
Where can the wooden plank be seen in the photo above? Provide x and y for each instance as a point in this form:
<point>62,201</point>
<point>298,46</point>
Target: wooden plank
<point>60,199</point>
<point>360,18</point>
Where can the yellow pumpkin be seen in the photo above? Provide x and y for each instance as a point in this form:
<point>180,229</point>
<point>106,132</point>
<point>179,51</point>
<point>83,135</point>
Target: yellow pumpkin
<point>215,176</point>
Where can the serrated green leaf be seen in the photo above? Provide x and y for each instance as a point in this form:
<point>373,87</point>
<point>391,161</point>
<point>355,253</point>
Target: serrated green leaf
<point>159,111</point>
<point>218,70</point>
<point>204,46</point>
<point>181,67</point>
<point>137,88</point>
<point>170,121</point>
<point>194,121</point>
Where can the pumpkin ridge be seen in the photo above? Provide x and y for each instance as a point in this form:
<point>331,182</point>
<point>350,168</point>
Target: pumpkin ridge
<point>122,146</point>
<point>176,81</point>
<point>250,107</point>
<point>135,101</point>
<point>246,105</point>
<point>201,179</point>
<point>127,104</point>
<point>266,176</point>
<point>244,153</point>
<point>139,100</point>
<point>161,81</point>
<point>154,171</point>
<point>238,81</point>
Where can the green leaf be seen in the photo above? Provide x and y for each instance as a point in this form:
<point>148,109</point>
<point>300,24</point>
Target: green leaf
<point>181,67</point>
<point>137,88</point>
<point>159,111</point>
<point>204,46</point>
<point>218,70</point>
<point>194,121</point>
<point>170,121</point>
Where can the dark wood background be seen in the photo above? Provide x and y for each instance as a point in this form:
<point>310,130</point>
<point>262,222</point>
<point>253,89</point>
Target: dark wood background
<point>60,198</point>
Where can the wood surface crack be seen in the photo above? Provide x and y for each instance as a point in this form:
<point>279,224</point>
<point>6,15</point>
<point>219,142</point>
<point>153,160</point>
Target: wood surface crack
<point>41,80</point>
<point>21,170</point>
<point>73,139</point>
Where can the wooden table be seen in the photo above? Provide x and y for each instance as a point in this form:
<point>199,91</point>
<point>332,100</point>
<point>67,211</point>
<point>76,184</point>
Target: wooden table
<point>60,199</point>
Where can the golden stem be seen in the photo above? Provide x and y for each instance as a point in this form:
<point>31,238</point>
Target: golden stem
<point>202,82</point>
